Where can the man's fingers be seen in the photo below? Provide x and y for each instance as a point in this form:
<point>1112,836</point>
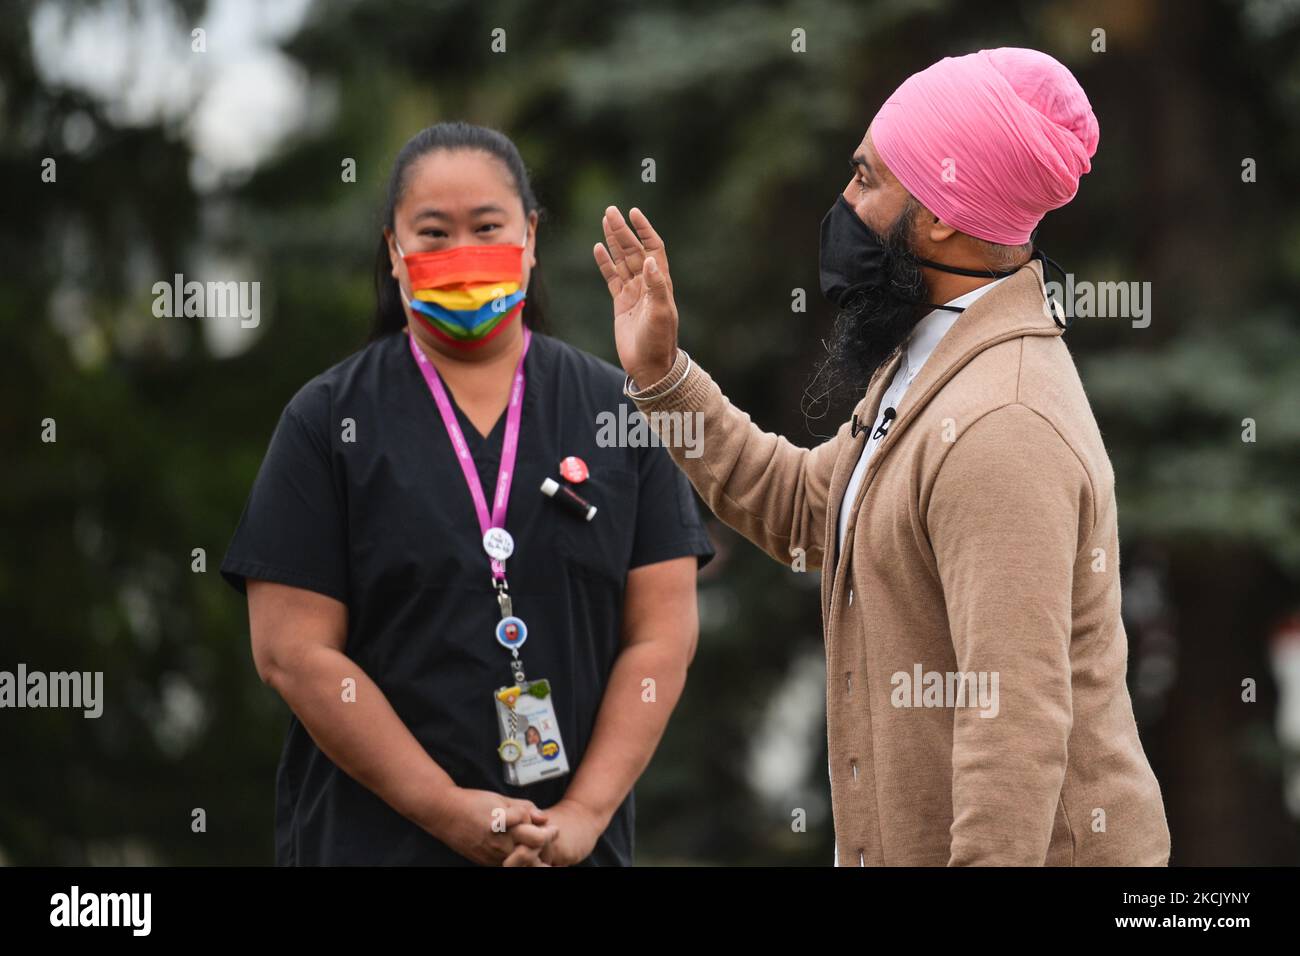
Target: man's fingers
<point>621,270</point>
<point>646,232</point>
<point>653,244</point>
<point>608,270</point>
<point>615,249</point>
<point>650,239</point>
<point>629,246</point>
<point>657,281</point>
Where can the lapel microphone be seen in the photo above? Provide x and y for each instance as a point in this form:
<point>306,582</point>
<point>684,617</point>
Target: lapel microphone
<point>889,416</point>
<point>884,423</point>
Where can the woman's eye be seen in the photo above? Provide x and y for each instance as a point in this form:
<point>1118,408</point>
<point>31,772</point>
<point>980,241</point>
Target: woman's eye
<point>433,233</point>
<point>488,226</point>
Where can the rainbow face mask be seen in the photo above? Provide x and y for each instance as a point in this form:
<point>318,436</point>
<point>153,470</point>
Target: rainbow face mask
<point>466,295</point>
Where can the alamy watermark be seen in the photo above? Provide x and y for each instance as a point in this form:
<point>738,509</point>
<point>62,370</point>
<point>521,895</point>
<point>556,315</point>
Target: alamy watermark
<point>946,689</point>
<point>213,300</point>
<point>76,689</point>
<point>129,910</point>
<point>636,430</point>
<point>1085,299</point>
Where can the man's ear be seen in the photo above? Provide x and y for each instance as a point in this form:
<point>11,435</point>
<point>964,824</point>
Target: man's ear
<point>938,229</point>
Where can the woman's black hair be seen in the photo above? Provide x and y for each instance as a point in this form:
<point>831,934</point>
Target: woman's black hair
<point>389,315</point>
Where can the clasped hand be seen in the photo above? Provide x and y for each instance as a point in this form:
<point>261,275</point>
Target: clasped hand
<point>496,830</point>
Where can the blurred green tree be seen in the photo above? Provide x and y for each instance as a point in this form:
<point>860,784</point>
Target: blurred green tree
<point>161,428</point>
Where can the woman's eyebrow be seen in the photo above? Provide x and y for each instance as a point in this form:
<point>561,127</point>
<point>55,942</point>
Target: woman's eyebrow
<point>431,213</point>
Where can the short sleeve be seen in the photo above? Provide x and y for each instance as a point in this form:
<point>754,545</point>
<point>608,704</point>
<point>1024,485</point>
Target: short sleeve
<point>293,529</point>
<point>668,521</point>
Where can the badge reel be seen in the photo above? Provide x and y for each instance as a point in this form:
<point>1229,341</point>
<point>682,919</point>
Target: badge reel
<point>530,746</point>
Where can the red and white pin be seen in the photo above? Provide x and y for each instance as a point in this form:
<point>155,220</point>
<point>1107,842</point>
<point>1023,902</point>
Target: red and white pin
<point>574,469</point>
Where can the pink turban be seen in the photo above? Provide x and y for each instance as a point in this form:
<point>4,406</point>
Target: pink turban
<point>989,142</point>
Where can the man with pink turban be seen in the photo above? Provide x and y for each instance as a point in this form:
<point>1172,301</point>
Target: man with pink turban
<point>964,519</point>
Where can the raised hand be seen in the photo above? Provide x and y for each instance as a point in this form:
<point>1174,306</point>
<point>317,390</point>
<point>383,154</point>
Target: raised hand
<point>634,265</point>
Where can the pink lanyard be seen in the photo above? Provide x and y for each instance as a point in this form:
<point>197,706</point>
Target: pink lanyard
<point>509,448</point>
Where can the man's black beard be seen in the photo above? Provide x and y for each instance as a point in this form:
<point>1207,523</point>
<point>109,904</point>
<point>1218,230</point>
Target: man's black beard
<point>874,323</point>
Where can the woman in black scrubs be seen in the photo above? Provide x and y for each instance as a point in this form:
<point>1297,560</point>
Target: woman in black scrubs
<point>477,671</point>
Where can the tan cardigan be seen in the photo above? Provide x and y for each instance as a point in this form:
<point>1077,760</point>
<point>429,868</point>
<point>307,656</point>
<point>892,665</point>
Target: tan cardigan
<point>983,540</point>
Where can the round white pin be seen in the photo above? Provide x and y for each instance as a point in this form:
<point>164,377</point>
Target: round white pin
<point>498,543</point>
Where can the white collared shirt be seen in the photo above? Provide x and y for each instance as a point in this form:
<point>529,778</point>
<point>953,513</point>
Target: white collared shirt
<point>920,345</point>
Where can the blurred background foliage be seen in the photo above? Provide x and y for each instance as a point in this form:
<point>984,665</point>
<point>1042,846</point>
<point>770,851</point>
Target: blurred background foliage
<point>227,165</point>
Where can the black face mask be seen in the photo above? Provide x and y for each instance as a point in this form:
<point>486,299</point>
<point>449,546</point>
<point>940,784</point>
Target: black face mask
<point>853,259</point>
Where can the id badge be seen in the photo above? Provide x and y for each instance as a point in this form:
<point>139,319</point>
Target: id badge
<point>531,749</point>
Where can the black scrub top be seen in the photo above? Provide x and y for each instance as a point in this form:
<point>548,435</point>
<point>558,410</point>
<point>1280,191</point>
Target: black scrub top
<point>385,524</point>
